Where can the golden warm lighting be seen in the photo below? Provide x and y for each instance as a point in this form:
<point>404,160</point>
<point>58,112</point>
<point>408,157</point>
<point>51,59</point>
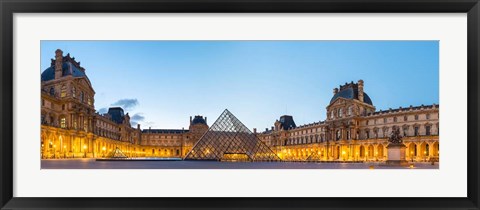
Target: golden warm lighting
<point>84,146</point>
<point>343,152</point>
<point>371,167</point>
<point>104,148</point>
<point>411,165</point>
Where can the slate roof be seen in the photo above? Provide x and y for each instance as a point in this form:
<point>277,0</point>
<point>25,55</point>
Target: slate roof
<point>117,114</point>
<point>351,93</point>
<point>198,120</point>
<point>67,69</point>
<point>287,122</point>
<point>172,131</point>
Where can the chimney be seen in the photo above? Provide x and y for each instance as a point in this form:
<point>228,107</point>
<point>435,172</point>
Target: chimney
<point>254,130</point>
<point>272,128</point>
<point>190,120</point>
<point>58,63</point>
<point>266,129</point>
<point>138,126</point>
<point>360,90</point>
<point>205,120</point>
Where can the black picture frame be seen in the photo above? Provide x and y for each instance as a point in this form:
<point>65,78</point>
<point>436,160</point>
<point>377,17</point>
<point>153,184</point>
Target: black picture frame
<point>10,7</point>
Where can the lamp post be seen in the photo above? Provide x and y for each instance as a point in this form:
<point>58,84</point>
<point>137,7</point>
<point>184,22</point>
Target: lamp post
<point>103,155</point>
<point>85,151</point>
<point>424,156</point>
<point>343,155</point>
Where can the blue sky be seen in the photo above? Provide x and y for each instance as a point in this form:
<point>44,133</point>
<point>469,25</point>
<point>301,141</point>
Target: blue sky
<point>162,83</point>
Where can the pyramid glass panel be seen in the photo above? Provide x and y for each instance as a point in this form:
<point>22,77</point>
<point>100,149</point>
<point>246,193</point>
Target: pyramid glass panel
<point>117,153</point>
<point>229,140</point>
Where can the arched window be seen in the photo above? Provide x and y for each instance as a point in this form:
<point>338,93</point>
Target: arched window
<point>332,114</point>
<point>63,91</point>
<point>350,110</point>
<point>368,133</point>
<point>427,130</point>
<point>52,91</point>
<point>405,131</point>
<point>428,116</point>
<point>340,112</point>
<point>338,135</point>
<point>427,148</point>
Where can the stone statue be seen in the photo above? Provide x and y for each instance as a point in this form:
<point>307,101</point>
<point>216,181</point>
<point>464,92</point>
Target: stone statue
<point>395,137</point>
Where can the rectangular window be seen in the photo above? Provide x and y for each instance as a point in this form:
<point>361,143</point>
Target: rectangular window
<point>63,122</point>
<point>427,130</point>
<point>416,131</point>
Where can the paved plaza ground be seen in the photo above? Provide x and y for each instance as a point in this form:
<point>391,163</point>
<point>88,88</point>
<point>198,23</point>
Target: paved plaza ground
<point>162,164</point>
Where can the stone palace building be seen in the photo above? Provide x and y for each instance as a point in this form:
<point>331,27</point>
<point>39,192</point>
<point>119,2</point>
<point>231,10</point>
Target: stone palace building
<point>353,130</point>
<point>70,127</point>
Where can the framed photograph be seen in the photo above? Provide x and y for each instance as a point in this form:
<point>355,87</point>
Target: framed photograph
<point>239,105</point>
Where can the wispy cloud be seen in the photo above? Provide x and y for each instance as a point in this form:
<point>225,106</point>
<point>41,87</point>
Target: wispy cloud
<point>126,104</point>
<point>138,117</point>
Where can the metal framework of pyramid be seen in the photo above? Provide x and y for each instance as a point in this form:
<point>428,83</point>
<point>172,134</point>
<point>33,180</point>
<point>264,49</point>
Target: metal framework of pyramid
<point>229,140</point>
<point>314,157</point>
<point>117,153</point>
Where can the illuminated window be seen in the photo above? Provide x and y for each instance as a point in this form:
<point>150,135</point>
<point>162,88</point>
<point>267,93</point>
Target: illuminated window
<point>63,91</point>
<point>63,122</point>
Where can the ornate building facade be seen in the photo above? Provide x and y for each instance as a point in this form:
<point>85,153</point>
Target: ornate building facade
<point>355,131</point>
<point>71,128</point>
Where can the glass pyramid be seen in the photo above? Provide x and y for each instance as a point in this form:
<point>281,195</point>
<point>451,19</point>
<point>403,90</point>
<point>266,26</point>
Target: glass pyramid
<point>229,140</point>
<point>117,153</point>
